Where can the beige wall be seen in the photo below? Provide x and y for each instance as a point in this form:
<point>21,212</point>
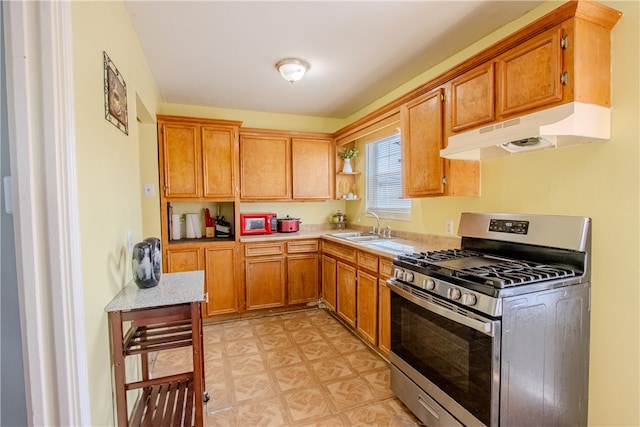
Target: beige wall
<point>598,180</point>
<point>109,175</point>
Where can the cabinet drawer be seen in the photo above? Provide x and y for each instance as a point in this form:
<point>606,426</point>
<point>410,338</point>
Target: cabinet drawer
<point>345,253</point>
<point>386,268</point>
<point>261,249</point>
<point>297,246</point>
<point>368,261</point>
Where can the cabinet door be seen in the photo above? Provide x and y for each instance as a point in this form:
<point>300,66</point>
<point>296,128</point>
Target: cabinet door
<point>265,278</point>
<point>313,171</point>
<point>183,259</point>
<point>384,317</point>
<point>302,278</point>
<point>220,279</point>
<point>367,306</point>
<point>219,160</point>
<point>182,160</point>
<point>422,140</point>
<point>472,98</point>
<point>329,271</point>
<point>529,75</point>
<point>346,286</point>
<point>265,168</point>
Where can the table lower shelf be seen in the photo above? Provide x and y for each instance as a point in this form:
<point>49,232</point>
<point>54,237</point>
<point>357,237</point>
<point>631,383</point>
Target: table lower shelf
<point>170,403</point>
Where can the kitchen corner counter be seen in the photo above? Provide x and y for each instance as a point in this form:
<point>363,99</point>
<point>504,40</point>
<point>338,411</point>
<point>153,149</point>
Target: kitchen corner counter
<point>174,288</point>
<point>403,243</point>
<point>302,234</point>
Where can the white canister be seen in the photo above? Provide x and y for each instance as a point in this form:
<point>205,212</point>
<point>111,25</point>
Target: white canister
<point>175,227</point>
<point>194,230</point>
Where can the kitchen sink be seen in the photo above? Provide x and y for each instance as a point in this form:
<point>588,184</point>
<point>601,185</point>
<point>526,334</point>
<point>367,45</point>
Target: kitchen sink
<point>347,234</point>
<point>391,246</point>
<point>357,237</point>
<point>364,238</point>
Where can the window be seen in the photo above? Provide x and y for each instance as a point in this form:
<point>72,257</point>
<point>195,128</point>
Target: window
<point>384,179</point>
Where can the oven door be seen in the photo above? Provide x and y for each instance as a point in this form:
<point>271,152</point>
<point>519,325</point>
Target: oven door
<point>452,354</point>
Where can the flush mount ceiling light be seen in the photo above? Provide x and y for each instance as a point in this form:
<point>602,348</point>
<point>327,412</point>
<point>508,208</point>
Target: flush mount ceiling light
<point>292,69</point>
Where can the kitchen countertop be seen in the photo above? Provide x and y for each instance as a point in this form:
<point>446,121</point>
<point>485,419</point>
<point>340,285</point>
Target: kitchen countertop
<point>406,243</point>
<point>173,289</point>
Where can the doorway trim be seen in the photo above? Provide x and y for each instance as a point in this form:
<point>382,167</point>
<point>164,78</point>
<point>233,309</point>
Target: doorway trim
<point>41,115</point>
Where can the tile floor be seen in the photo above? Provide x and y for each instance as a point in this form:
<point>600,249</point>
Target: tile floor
<point>295,369</point>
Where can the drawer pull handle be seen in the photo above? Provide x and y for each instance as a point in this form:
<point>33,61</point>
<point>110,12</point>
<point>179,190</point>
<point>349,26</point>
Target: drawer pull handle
<point>428,407</point>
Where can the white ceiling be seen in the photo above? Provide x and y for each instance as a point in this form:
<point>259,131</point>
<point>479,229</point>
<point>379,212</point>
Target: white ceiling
<point>222,53</point>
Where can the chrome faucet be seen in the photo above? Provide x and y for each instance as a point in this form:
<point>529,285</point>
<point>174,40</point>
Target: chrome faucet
<point>374,229</point>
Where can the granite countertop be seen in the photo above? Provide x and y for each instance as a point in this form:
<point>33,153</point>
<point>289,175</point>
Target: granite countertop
<point>403,243</point>
<point>173,289</point>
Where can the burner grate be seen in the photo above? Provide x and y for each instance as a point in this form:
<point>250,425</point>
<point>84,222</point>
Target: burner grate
<point>498,273</point>
<point>515,273</point>
<point>434,256</point>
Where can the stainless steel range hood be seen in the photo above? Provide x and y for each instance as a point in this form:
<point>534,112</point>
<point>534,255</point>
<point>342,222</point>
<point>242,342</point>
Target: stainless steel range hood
<point>567,124</point>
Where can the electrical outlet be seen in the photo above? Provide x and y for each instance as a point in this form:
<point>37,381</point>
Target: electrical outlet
<point>448,227</point>
<point>149,189</point>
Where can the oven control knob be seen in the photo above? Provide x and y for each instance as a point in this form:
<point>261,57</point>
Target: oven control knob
<point>430,284</point>
<point>398,273</point>
<point>454,294</point>
<point>408,276</point>
<point>469,299</point>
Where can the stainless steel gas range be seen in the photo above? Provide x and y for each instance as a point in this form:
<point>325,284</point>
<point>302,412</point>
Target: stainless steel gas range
<point>496,333</point>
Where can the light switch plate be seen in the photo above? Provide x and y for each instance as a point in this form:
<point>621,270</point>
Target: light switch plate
<point>149,189</point>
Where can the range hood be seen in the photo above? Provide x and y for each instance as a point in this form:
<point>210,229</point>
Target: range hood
<point>567,124</point>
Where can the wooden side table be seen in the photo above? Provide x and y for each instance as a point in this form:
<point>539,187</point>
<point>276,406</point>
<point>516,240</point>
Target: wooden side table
<point>165,317</point>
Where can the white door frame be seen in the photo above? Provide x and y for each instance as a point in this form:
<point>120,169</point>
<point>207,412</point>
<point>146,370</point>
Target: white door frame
<point>39,60</point>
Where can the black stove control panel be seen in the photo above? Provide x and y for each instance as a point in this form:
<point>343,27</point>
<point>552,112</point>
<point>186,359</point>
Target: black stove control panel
<point>509,226</point>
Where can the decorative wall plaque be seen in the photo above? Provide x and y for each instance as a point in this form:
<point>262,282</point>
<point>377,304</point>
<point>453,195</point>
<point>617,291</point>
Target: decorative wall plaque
<point>115,96</point>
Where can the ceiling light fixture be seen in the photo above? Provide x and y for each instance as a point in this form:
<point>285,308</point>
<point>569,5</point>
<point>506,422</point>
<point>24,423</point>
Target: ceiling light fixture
<point>292,69</point>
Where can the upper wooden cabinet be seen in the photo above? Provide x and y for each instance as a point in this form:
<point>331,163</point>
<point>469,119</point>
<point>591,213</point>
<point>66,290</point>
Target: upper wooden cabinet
<point>265,165</point>
<point>422,139</point>
<point>472,98</point>
<point>181,151</point>
<point>312,174</point>
<point>541,66</point>
<point>279,165</point>
<point>198,158</point>
<point>529,76</point>
<point>219,161</point>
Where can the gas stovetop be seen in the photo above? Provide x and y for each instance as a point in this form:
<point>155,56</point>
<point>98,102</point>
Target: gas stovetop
<point>483,269</point>
<point>501,255</point>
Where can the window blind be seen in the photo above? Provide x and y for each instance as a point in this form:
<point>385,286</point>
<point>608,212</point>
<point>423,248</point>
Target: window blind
<point>384,176</point>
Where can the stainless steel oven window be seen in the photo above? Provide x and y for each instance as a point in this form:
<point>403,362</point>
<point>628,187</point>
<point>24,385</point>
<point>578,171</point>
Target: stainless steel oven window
<point>459,360</point>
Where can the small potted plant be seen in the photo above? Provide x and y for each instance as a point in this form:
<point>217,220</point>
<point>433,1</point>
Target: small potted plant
<point>347,154</point>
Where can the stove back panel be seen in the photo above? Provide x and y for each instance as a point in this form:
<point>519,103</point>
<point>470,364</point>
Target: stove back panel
<point>554,231</point>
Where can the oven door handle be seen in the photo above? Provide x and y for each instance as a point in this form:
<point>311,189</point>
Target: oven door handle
<point>485,327</point>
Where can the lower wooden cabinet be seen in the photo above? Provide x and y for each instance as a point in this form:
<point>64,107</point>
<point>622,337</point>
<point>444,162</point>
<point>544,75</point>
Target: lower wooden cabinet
<point>354,286</point>
<point>184,259</point>
<point>384,306</point>
<point>346,292</point>
<point>367,311</point>
<point>219,264</point>
<point>302,278</point>
<point>279,274</point>
<point>264,282</point>
<point>220,279</point>
<point>384,317</point>
<point>329,266</point>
